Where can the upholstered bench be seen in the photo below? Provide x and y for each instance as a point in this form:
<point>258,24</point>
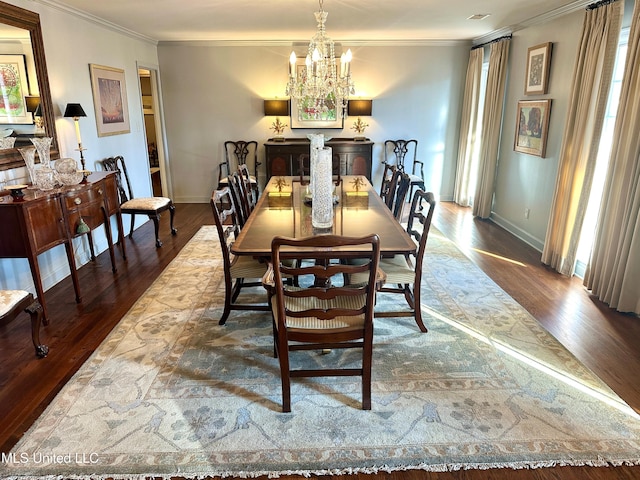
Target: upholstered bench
<point>12,303</point>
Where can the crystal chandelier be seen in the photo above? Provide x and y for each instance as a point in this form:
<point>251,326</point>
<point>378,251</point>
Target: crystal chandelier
<point>320,87</point>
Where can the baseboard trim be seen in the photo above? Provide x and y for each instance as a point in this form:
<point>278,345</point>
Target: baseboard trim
<point>517,231</point>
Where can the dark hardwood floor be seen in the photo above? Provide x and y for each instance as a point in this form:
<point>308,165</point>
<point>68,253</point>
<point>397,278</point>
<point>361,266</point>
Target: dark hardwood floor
<point>605,341</point>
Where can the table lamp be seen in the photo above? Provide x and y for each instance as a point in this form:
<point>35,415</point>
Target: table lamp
<point>275,108</point>
<point>359,108</point>
<point>75,111</point>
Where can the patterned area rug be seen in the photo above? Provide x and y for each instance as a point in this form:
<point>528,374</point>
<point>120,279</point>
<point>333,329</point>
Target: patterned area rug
<point>171,393</point>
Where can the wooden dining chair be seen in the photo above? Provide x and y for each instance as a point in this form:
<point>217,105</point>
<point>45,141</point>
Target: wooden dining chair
<point>239,197</point>
<point>404,273</point>
<point>394,191</point>
<point>237,269</point>
<point>15,302</point>
<point>152,207</point>
<point>402,152</point>
<point>250,192</point>
<point>323,312</point>
<point>236,153</point>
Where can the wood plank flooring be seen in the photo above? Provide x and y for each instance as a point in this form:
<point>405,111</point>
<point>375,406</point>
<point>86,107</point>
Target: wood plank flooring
<point>605,341</point>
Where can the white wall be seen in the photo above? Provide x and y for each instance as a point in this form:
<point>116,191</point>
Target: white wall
<point>214,93</point>
<point>526,181</point>
<point>71,44</point>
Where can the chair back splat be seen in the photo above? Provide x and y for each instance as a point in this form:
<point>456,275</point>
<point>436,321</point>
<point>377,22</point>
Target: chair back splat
<point>324,310</point>
<point>236,268</point>
<point>152,207</point>
<point>237,153</point>
<point>403,154</point>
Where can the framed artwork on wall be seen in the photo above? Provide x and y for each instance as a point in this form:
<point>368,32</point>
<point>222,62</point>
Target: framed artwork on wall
<point>14,87</point>
<point>536,81</point>
<point>311,113</point>
<point>532,126</point>
<point>109,100</point>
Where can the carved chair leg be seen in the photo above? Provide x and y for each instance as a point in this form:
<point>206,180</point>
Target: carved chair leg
<point>35,311</point>
<point>156,227</point>
<point>133,218</point>
<point>172,213</point>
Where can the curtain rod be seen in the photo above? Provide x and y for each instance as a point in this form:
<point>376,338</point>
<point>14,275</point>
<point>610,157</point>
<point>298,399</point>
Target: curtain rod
<point>505,37</point>
<point>599,4</point>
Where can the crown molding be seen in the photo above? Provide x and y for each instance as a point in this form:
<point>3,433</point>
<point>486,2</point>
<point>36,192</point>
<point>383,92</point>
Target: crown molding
<point>96,20</point>
<point>296,43</point>
<point>538,20</point>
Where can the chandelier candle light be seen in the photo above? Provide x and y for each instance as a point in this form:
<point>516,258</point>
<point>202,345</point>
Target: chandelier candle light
<point>321,86</point>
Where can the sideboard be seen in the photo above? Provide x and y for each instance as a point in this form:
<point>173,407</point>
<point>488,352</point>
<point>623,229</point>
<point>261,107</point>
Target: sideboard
<point>282,157</point>
<point>45,219</point>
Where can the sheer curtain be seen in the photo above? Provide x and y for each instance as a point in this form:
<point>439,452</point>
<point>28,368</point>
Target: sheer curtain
<point>468,129</point>
<point>613,273</point>
<point>491,123</point>
<point>590,89</point>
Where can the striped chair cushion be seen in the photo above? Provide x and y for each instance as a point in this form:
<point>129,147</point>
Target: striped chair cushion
<point>247,267</point>
<point>311,323</point>
<point>398,269</point>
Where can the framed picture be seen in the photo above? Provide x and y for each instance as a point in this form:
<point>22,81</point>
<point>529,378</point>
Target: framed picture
<point>313,114</point>
<point>109,100</point>
<point>536,80</point>
<point>14,87</point>
<point>532,126</point>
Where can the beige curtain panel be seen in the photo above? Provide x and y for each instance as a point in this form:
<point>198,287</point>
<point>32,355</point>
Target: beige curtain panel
<point>491,121</point>
<point>466,169</point>
<point>589,93</point>
<point>613,273</point>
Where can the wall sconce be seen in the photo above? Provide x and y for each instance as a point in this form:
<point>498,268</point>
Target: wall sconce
<point>359,108</point>
<point>277,108</point>
<point>75,111</point>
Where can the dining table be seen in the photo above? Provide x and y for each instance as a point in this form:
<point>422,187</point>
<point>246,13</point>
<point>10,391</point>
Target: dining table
<point>285,209</point>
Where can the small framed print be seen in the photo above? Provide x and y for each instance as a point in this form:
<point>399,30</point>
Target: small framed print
<point>312,113</point>
<point>14,87</point>
<point>109,100</point>
<point>532,127</point>
<point>538,62</point>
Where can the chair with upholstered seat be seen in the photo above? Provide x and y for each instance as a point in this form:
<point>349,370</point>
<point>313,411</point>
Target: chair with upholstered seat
<point>236,153</point>
<point>240,198</point>
<point>395,184</point>
<point>404,273</point>
<point>399,153</point>
<point>236,268</point>
<point>13,303</point>
<point>322,312</point>
<point>152,207</point>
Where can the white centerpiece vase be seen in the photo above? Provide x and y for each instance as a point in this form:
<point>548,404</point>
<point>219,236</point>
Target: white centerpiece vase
<point>322,192</point>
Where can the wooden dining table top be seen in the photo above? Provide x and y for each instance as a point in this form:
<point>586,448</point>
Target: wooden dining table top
<point>282,210</point>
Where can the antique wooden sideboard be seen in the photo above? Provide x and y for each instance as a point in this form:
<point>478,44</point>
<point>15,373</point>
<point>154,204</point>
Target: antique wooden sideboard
<point>282,157</point>
<point>45,219</point>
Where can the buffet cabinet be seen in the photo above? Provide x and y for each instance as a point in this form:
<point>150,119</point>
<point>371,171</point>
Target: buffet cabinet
<point>42,220</point>
<point>282,157</point>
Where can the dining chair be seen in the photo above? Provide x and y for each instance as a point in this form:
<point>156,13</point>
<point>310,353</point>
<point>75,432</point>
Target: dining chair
<point>404,273</point>
<point>322,312</point>
<point>239,198</point>
<point>394,191</point>
<point>236,268</point>
<point>398,153</point>
<point>152,207</point>
<point>236,153</point>
<point>13,303</point>
<point>250,192</point>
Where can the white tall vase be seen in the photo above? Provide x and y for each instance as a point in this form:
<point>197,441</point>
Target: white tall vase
<point>317,142</point>
<point>322,193</point>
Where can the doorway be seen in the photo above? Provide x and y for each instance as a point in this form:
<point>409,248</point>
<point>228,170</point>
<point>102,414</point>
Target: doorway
<point>153,130</point>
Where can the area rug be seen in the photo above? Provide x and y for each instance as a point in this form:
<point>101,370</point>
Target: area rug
<point>171,393</point>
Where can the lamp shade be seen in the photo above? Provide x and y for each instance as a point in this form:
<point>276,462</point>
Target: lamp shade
<point>360,108</point>
<point>74,110</point>
<point>276,108</point>
<point>33,102</point>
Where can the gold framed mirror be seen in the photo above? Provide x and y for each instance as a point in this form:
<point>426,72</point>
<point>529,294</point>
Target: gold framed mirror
<point>30,21</point>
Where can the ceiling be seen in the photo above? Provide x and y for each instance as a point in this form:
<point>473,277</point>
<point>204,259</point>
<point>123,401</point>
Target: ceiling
<point>292,20</point>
